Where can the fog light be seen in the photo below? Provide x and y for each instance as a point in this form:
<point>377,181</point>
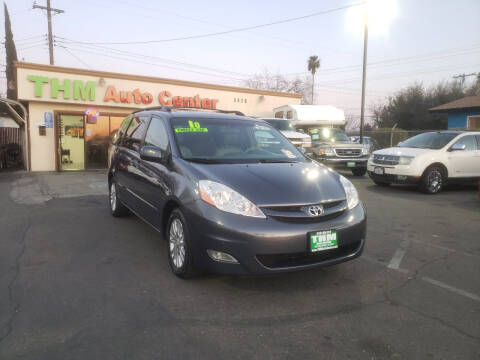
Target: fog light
<point>401,177</point>
<point>221,256</point>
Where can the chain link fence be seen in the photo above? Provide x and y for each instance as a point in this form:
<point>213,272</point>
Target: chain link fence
<point>388,137</point>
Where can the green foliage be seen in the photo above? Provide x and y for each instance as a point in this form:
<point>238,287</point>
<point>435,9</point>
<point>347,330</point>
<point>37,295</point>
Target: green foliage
<point>313,63</point>
<point>408,108</point>
<point>11,52</point>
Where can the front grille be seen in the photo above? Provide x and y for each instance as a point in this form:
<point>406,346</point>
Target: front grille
<point>298,213</point>
<point>300,259</point>
<point>386,159</point>
<point>348,152</point>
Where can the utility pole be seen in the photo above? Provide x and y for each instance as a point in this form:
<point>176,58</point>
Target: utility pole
<point>49,17</point>
<point>364,75</point>
<point>463,76</point>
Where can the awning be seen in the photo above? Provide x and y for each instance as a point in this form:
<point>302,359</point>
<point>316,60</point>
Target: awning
<point>6,122</point>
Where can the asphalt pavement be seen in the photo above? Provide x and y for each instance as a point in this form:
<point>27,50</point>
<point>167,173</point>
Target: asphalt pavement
<point>76,283</point>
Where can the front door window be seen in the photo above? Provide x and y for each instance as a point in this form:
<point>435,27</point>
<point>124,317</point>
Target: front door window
<point>71,147</point>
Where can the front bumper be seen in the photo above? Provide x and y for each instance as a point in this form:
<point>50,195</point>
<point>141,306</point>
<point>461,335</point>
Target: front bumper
<point>395,174</point>
<point>264,246</point>
<point>343,163</point>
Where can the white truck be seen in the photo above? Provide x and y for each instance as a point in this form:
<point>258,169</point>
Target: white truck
<point>330,144</point>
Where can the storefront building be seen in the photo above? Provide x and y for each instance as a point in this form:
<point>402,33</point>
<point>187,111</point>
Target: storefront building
<point>73,112</point>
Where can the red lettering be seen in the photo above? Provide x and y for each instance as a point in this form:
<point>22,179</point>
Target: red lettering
<point>111,94</point>
<point>197,101</point>
<point>164,98</point>
<point>188,102</point>
<point>147,98</point>
<point>137,96</point>
<point>126,97</point>
<point>206,104</point>
<point>214,103</point>
<point>177,101</point>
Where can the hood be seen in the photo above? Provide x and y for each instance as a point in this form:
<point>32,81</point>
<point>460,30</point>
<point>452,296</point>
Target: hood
<point>343,144</point>
<point>402,151</point>
<point>276,184</point>
<point>294,135</point>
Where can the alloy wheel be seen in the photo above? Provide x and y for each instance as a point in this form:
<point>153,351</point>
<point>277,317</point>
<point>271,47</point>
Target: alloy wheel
<point>113,197</point>
<point>434,180</point>
<point>176,239</point>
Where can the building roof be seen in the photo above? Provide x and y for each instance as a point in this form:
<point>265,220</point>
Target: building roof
<point>61,69</point>
<point>466,103</point>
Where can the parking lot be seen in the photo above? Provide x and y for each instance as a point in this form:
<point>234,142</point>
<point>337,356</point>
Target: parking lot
<point>76,283</point>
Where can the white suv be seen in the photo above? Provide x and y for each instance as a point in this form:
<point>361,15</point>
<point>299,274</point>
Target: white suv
<point>429,160</point>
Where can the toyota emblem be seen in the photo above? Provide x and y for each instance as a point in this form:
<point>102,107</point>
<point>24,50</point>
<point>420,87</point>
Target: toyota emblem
<point>315,210</point>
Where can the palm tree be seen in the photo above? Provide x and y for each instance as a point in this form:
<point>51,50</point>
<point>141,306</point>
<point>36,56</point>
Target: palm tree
<point>313,64</point>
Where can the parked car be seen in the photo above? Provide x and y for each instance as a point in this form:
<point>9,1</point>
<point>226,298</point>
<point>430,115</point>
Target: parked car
<point>332,147</point>
<point>429,160</point>
<point>367,140</point>
<point>298,139</point>
<point>232,195</point>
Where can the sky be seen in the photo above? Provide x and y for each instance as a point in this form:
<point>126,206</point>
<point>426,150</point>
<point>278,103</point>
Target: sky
<point>428,41</point>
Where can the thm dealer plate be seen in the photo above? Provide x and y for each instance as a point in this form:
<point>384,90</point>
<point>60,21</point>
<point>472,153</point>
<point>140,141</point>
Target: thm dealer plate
<point>379,170</point>
<point>323,240</point>
<point>351,164</point>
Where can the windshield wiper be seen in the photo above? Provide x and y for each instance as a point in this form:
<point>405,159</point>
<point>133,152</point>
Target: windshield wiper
<point>203,160</point>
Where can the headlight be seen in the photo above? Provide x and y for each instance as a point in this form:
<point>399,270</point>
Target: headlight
<point>365,151</point>
<point>226,199</point>
<point>350,191</point>
<point>326,152</point>
<point>405,160</point>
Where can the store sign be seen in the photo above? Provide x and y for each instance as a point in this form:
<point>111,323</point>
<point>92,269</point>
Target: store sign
<point>86,91</point>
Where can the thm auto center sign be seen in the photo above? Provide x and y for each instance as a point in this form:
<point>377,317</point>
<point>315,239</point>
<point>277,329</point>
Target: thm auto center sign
<point>80,90</point>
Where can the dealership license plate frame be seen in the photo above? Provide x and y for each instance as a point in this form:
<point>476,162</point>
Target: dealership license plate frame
<point>324,243</point>
<point>379,170</point>
<point>351,164</point>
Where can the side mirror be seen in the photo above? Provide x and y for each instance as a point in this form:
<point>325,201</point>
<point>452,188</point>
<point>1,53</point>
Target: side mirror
<point>457,147</point>
<point>302,150</point>
<point>151,153</point>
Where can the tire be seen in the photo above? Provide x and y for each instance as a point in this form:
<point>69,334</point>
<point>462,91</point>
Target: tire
<point>117,209</point>
<point>180,255</point>
<point>433,180</point>
<point>381,183</point>
<point>359,172</point>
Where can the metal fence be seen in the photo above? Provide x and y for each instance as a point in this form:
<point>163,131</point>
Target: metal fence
<point>388,137</point>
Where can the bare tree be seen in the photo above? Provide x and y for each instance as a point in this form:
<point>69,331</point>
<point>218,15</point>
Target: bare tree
<point>267,80</point>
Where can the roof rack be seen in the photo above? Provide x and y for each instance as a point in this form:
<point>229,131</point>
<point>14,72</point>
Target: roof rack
<point>170,109</point>
<point>160,108</point>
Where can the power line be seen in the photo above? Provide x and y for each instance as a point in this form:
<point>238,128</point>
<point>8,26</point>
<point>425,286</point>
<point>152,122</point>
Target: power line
<point>49,19</point>
<point>76,57</point>
<point>150,63</point>
<point>67,42</point>
<point>318,13</point>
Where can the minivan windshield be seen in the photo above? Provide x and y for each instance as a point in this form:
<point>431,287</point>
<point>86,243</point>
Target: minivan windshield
<point>281,125</point>
<point>232,141</point>
<point>431,140</point>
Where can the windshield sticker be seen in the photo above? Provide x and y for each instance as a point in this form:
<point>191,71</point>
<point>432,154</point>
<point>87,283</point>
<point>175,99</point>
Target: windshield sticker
<point>262,127</point>
<point>194,126</point>
<point>315,136</point>
<point>288,153</point>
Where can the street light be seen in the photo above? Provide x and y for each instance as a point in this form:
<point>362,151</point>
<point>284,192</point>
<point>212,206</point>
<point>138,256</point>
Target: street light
<point>376,14</point>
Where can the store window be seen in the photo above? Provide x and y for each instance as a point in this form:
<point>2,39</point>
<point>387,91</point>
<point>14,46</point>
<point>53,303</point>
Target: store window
<point>279,114</point>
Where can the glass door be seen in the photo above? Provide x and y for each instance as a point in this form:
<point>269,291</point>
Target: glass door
<point>71,146</point>
<point>97,139</point>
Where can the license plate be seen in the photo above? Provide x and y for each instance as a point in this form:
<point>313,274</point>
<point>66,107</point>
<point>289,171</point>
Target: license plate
<point>379,170</point>
<point>323,240</point>
<point>350,164</point>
